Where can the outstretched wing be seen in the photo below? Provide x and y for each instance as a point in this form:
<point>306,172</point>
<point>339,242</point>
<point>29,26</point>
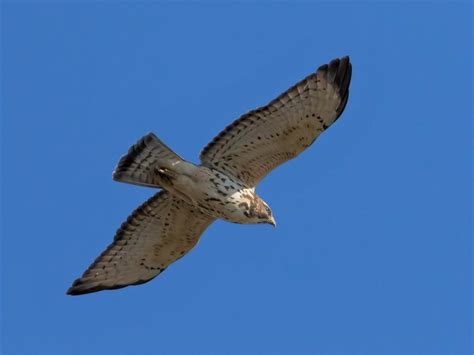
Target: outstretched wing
<point>156,234</point>
<point>264,138</point>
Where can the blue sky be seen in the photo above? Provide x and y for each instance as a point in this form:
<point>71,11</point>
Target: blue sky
<point>372,253</point>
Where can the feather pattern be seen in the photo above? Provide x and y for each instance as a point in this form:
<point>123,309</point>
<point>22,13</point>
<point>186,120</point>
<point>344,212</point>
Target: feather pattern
<point>156,234</point>
<point>264,138</point>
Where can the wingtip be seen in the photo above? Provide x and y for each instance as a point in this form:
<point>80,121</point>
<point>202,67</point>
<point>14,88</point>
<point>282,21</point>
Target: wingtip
<point>338,72</point>
<point>76,288</point>
<point>343,80</point>
<point>79,292</point>
<point>82,286</point>
<point>71,292</point>
<point>336,65</point>
<point>79,288</point>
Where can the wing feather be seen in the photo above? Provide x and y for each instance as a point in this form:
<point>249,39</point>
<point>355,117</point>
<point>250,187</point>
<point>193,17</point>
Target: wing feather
<point>264,138</point>
<point>156,234</point>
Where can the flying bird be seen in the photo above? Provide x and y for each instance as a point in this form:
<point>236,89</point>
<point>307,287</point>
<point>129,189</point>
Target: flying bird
<point>170,223</point>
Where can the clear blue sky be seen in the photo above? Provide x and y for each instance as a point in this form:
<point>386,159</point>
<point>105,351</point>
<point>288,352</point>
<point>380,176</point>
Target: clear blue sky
<point>372,252</point>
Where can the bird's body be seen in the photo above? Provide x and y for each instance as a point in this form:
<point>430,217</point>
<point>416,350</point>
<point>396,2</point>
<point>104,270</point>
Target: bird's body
<point>169,224</point>
<point>214,193</point>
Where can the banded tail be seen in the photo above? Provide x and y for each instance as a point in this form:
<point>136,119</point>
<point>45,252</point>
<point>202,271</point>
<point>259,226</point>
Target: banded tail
<point>146,162</point>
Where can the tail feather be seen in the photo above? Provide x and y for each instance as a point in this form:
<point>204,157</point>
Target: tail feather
<point>141,164</point>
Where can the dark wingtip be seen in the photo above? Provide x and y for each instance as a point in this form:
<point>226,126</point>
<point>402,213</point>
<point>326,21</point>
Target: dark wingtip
<point>339,72</point>
<point>73,292</point>
<point>343,79</point>
<point>344,73</point>
<point>79,287</point>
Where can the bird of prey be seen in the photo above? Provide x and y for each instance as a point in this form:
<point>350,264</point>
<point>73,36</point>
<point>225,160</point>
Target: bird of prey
<point>169,224</point>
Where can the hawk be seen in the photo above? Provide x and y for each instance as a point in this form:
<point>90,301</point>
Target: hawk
<point>169,224</point>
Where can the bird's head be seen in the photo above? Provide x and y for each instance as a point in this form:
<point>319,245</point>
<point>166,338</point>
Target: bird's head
<point>262,212</point>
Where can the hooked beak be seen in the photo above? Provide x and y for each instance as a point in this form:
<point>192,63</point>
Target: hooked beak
<point>272,222</point>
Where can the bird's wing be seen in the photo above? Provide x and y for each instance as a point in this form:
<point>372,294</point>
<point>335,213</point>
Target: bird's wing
<point>264,138</point>
<point>155,235</point>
